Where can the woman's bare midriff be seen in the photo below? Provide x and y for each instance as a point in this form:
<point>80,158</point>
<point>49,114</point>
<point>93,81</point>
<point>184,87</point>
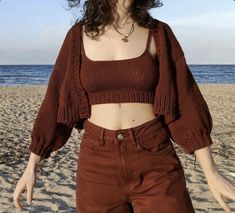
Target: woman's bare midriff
<point>116,116</point>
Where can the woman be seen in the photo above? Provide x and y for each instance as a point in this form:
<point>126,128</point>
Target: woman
<point>127,161</point>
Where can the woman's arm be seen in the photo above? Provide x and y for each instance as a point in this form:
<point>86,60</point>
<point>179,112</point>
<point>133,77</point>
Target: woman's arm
<point>47,134</point>
<point>27,181</point>
<point>220,186</point>
<point>192,129</point>
<point>206,161</point>
<point>33,161</point>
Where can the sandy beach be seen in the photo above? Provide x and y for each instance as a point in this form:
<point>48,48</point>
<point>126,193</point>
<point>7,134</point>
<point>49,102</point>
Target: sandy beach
<point>55,187</point>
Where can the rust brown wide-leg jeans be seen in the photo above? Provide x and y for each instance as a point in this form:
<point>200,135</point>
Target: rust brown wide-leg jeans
<point>130,170</point>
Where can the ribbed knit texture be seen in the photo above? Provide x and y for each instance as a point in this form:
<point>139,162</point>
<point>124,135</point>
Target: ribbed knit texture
<point>125,80</point>
<point>176,96</point>
<point>193,128</point>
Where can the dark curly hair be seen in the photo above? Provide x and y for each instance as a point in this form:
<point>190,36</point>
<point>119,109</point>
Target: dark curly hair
<point>97,14</point>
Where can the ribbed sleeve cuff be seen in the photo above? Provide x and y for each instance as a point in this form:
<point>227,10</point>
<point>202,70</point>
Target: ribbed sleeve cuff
<point>37,148</point>
<point>197,141</point>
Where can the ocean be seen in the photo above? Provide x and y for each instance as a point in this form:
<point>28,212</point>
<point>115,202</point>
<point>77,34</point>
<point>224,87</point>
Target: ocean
<point>39,74</point>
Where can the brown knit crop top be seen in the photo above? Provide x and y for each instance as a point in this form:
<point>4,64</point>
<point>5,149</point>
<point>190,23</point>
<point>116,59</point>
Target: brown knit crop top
<point>124,80</point>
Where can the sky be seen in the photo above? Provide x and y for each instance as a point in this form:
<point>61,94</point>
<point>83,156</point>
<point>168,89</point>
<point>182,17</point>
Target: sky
<point>32,32</point>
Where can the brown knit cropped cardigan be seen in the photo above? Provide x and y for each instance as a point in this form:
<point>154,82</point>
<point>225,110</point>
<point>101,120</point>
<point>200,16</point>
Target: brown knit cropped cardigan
<point>177,96</point>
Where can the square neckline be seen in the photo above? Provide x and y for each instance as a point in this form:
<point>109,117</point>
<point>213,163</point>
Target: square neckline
<point>118,60</point>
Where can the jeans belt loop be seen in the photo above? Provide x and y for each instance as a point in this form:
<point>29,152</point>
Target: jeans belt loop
<point>133,136</point>
<point>102,138</point>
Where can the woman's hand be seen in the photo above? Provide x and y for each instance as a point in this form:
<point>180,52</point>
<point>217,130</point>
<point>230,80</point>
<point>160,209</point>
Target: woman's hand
<point>221,187</point>
<point>27,181</point>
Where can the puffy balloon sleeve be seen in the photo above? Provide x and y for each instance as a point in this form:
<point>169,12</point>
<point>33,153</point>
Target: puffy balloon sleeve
<point>193,127</point>
<point>47,134</point>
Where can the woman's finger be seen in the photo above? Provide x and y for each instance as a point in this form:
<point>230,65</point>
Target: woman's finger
<point>229,189</point>
<point>16,196</point>
<point>223,204</point>
<point>29,194</point>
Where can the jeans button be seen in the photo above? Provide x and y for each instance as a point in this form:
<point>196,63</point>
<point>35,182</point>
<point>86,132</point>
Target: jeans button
<point>120,136</point>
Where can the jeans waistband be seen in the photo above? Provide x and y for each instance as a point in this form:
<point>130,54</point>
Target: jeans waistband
<point>138,131</point>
